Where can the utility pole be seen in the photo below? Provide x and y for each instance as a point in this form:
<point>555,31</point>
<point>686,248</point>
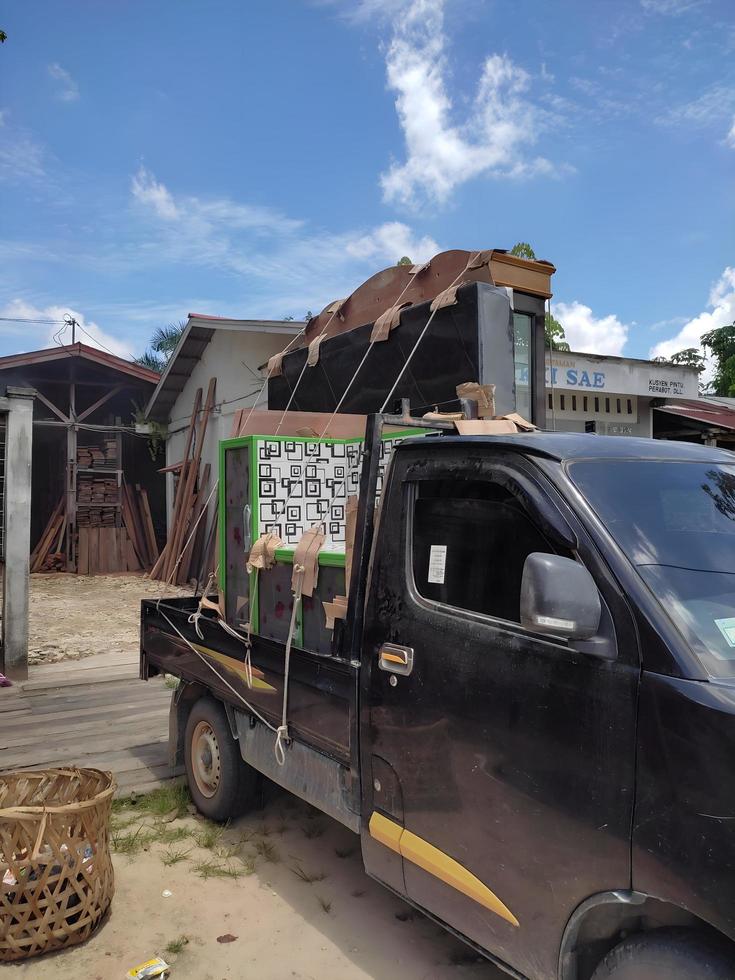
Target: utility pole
<point>68,318</point>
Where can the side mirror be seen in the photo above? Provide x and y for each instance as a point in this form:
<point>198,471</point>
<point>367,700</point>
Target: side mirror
<point>559,596</point>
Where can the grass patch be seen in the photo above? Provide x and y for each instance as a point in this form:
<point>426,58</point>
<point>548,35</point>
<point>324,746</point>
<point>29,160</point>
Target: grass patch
<point>171,835</point>
<point>164,801</point>
<point>211,869</point>
<point>119,822</point>
<point>210,835</point>
<point>267,851</point>
<point>131,842</point>
<point>326,906</point>
<point>305,876</point>
<point>175,855</point>
<point>176,946</point>
<point>171,682</point>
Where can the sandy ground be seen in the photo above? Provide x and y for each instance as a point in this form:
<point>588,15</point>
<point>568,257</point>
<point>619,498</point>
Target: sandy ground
<point>338,924</point>
<point>74,616</point>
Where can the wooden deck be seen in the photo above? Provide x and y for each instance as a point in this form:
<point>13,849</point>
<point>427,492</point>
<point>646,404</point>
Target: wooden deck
<point>92,712</point>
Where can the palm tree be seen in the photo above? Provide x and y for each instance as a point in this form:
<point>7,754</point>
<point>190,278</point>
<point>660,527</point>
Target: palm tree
<point>163,344</point>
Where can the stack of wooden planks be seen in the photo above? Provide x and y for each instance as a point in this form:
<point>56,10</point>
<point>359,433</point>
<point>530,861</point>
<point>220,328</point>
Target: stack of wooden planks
<point>102,455</point>
<point>49,554</point>
<point>189,550</point>
<point>102,545</point>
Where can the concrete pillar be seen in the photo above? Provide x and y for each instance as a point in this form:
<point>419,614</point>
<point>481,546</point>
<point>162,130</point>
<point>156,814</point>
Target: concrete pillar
<point>19,437</point>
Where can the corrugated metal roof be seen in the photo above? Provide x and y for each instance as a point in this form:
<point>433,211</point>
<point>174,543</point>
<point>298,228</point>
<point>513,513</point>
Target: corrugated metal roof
<point>83,351</point>
<point>197,334</point>
<point>710,413</point>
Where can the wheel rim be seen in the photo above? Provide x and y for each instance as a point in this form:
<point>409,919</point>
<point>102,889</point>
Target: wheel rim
<point>205,759</point>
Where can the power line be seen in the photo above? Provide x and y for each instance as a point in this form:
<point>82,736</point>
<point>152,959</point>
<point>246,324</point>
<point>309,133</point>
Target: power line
<point>27,319</point>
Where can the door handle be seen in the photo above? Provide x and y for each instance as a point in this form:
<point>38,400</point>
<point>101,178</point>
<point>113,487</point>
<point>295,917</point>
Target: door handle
<point>396,659</point>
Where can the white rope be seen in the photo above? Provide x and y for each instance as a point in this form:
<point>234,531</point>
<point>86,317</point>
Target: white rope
<point>172,576</point>
<point>214,670</point>
<point>296,482</point>
<point>282,735</point>
<point>267,378</point>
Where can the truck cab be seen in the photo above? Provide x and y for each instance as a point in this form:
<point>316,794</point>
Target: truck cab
<point>537,684</point>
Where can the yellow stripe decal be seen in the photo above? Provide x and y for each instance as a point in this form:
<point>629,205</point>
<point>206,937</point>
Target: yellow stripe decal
<point>237,667</point>
<point>437,863</point>
<point>386,832</point>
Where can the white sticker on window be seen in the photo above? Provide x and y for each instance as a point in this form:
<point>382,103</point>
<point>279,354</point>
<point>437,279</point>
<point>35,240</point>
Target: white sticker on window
<point>727,628</point>
<point>437,563</point>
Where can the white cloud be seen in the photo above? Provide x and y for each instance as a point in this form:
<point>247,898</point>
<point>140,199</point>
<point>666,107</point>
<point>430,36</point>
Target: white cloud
<point>719,312</point>
<point>201,214</point>
<point>21,157</point>
<point>38,335</point>
<point>671,7</point>
<point>441,154</point>
<point>712,106</point>
<point>258,242</point>
<point>148,191</point>
<point>730,138</point>
<point>390,242</point>
<point>67,89</point>
<point>589,334</point>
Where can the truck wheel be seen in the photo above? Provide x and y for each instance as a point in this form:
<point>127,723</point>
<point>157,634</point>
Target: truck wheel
<point>221,784</point>
<point>667,954</point>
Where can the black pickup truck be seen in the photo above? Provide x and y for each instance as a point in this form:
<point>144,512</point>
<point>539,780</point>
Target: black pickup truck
<point>528,714</point>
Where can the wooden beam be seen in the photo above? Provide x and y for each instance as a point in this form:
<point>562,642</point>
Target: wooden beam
<point>100,401</point>
<point>49,404</point>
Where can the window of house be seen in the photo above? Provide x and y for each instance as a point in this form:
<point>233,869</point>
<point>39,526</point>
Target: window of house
<point>470,542</point>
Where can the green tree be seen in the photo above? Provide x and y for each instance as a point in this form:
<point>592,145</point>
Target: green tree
<point>162,345</point>
<point>554,333</point>
<point>721,344</point>
<point>404,260</point>
<point>523,250</point>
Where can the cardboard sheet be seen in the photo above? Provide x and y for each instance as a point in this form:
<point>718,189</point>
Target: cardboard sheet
<point>337,609</point>
<point>386,322</point>
<point>275,365</point>
<point>307,555</point>
<point>448,297</point>
<point>484,395</point>
<point>263,552</point>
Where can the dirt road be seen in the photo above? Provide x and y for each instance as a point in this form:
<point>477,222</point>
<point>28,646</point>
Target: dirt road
<point>74,616</point>
<point>297,903</point>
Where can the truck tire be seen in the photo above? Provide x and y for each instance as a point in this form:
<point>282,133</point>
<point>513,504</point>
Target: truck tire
<point>221,783</point>
<point>667,954</point>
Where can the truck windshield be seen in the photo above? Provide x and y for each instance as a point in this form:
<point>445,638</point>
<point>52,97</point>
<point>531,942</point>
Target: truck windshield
<point>676,523</point>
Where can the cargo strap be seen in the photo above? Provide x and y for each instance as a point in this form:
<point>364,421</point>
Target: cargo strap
<point>282,735</point>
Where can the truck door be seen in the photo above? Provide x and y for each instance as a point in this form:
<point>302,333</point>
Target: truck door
<point>498,764</point>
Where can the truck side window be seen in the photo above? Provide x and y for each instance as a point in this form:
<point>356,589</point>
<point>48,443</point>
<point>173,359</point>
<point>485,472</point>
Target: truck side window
<point>470,541</point>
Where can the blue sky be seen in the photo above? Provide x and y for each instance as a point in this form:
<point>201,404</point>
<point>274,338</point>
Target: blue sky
<point>258,159</point>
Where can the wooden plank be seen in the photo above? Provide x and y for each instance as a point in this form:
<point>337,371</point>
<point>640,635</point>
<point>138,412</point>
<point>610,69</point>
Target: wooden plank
<point>48,535</point>
<point>160,565</point>
<point>148,528</point>
<point>191,474</point>
<point>133,527</point>
<point>185,570</point>
<point>131,559</point>
<point>236,422</point>
<point>83,551</point>
<point>94,550</point>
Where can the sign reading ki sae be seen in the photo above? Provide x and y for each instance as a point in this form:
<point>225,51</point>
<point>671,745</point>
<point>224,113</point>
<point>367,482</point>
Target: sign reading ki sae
<point>585,372</point>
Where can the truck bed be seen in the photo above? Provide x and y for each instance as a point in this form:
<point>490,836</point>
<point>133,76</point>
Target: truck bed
<point>322,688</point>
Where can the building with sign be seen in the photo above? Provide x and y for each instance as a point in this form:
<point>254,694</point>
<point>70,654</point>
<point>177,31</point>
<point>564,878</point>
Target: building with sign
<point>617,394</point>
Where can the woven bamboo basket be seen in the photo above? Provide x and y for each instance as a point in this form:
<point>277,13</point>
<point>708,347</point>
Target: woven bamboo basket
<point>56,878</point>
